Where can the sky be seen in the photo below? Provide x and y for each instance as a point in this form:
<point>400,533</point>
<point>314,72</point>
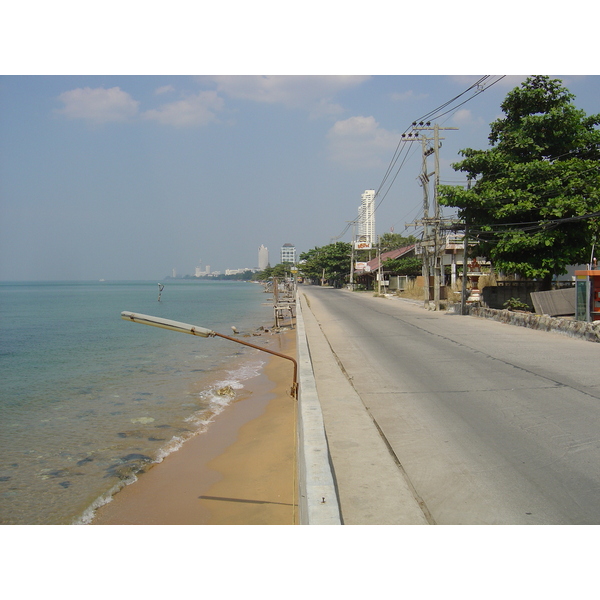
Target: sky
<point>120,176</point>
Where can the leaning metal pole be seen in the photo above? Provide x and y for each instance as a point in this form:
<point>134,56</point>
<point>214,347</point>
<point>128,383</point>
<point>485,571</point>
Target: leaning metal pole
<point>294,390</point>
<point>203,332</point>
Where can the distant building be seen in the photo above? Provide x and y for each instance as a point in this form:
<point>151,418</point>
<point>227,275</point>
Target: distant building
<point>366,218</point>
<point>288,254</point>
<point>200,273</point>
<point>263,258</point>
<point>240,271</point>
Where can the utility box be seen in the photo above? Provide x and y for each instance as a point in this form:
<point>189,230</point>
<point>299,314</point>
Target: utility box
<point>587,284</point>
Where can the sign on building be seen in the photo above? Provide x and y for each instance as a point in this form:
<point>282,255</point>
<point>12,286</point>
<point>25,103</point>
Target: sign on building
<point>363,243</point>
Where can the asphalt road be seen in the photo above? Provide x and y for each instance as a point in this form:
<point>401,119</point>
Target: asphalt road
<point>488,423</point>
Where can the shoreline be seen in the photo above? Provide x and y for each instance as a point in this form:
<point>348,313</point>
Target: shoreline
<point>241,470</point>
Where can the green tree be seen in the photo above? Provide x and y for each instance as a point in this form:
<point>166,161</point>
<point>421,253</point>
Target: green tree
<point>280,270</point>
<point>333,260</point>
<point>392,241</point>
<point>535,189</point>
<point>411,266</point>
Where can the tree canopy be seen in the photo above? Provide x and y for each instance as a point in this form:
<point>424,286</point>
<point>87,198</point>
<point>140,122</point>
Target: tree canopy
<point>280,270</point>
<point>534,205</point>
<point>392,241</point>
<point>411,266</point>
<point>331,262</point>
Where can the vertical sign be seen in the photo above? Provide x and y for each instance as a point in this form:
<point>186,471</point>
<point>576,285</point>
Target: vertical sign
<point>582,306</point>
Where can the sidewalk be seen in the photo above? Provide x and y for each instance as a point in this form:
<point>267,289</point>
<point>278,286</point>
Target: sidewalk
<point>371,486</point>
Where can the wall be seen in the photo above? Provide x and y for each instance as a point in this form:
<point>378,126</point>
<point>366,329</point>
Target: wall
<point>570,327</point>
<point>496,296</point>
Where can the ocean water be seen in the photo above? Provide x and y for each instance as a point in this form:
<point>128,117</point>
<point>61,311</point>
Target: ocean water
<point>87,400</point>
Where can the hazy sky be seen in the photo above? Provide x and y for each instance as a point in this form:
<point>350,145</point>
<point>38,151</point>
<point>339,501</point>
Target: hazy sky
<point>129,177</point>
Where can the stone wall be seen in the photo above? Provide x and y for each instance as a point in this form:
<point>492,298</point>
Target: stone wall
<point>570,327</point>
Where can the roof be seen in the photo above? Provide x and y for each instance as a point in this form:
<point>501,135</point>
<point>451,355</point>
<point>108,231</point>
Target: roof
<point>373,265</point>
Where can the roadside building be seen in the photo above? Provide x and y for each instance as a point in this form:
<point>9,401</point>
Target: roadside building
<point>369,273</point>
<point>288,254</point>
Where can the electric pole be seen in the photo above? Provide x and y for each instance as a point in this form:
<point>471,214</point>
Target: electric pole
<point>352,256</point>
<point>431,240</point>
<point>463,296</point>
<point>424,180</point>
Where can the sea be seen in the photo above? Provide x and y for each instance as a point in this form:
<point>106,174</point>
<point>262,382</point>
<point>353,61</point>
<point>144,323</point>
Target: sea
<point>89,401</point>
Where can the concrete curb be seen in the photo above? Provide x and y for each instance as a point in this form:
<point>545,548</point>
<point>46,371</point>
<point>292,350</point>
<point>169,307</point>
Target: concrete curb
<point>318,498</point>
<point>371,484</point>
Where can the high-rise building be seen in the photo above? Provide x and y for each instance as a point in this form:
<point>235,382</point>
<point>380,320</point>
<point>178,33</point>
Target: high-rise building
<point>288,254</point>
<point>366,217</point>
<point>263,257</point>
<point>199,272</point>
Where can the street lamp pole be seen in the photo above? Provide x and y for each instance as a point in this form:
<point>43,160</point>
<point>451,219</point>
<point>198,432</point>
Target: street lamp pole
<point>203,332</point>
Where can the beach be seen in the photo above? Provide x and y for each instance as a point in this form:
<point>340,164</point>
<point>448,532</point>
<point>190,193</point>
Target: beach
<point>240,471</point>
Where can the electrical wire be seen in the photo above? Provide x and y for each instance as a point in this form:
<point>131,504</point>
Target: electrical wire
<point>434,114</point>
<point>531,226</point>
<point>481,85</point>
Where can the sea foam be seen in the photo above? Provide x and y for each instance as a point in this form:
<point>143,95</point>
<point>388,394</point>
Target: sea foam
<point>215,404</point>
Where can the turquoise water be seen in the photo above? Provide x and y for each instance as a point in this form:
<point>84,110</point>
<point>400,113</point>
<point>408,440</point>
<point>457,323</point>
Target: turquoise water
<point>87,399</point>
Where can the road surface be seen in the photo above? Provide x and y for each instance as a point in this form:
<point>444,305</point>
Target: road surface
<point>480,422</point>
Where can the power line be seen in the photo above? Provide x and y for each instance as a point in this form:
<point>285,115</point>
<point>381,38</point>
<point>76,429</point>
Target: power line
<point>532,226</point>
<point>479,91</point>
<point>431,115</point>
<point>480,86</point>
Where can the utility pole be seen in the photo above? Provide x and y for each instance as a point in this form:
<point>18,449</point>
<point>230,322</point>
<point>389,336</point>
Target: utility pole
<point>424,177</point>
<point>435,221</point>
<point>379,266</point>
<point>463,296</point>
<point>352,256</point>
<point>424,180</point>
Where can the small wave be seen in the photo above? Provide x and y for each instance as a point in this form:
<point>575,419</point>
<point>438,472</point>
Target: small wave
<point>217,401</point>
<point>173,445</point>
<point>248,370</point>
<point>90,512</point>
<point>201,421</point>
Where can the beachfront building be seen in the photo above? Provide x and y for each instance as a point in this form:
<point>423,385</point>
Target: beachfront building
<point>288,254</point>
<point>263,258</point>
<point>236,271</point>
<point>366,217</point>
<point>200,273</point>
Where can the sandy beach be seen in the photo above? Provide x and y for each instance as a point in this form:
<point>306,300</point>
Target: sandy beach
<point>241,471</point>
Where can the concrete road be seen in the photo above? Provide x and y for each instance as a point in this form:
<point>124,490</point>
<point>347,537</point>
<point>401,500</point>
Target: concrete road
<point>445,419</point>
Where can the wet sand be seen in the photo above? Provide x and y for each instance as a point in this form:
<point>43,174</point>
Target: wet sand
<point>241,471</point>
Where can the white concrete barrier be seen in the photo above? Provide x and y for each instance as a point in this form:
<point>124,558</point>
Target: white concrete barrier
<point>318,499</point>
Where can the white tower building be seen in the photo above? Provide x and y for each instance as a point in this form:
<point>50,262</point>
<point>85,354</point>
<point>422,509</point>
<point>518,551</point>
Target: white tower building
<point>263,257</point>
<point>366,217</point>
